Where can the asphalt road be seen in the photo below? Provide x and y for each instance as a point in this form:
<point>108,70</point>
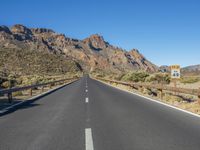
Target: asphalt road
<point>89,115</point>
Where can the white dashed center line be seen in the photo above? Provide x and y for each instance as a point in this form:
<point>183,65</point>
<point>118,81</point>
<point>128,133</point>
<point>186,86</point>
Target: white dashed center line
<point>88,139</point>
<point>87,100</point>
<point>86,90</point>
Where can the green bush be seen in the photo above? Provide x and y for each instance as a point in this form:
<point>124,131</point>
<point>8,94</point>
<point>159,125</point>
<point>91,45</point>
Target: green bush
<point>138,76</point>
<point>159,78</point>
<point>5,84</point>
<point>8,84</point>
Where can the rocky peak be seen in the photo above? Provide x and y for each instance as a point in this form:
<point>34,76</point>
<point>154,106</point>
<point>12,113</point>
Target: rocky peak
<point>61,37</point>
<point>136,54</point>
<point>20,29</point>
<point>96,42</point>
<point>41,30</point>
<point>5,29</point>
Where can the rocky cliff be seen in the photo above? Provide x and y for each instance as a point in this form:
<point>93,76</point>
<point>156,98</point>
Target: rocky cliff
<point>92,53</point>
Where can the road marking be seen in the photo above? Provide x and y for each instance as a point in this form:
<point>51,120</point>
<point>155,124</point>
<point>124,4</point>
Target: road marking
<point>86,90</point>
<point>88,139</point>
<point>153,100</point>
<point>87,100</point>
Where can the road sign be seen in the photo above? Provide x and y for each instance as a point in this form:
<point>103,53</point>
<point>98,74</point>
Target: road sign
<point>175,72</point>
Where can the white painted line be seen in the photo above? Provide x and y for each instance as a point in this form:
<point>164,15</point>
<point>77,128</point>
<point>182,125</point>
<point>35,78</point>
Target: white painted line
<point>86,90</point>
<point>153,100</point>
<point>88,139</point>
<point>87,100</point>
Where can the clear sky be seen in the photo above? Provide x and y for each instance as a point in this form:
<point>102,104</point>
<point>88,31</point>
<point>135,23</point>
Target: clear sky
<point>165,31</point>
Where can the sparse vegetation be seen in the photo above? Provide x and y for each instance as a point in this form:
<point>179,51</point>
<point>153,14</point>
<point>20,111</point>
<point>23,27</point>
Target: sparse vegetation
<point>29,62</point>
<point>138,76</point>
<point>189,80</point>
<point>20,67</point>
<point>163,78</point>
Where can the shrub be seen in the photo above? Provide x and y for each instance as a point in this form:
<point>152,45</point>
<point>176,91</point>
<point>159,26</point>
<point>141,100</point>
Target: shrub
<point>30,80</point>
<point>2,80</point>
<point>5,84</point>
<point>159,78</point>
<point>138,76</point>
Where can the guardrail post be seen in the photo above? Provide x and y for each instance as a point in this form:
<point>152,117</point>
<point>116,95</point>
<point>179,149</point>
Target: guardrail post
<point>42,89</point>
<point>199,97</point>
<point>31,91</point>
<point>10,99</point>
<point>160,93</point>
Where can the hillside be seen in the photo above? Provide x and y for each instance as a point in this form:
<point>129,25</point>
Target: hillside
<point>191,70</point>
<point>90,54</point>
<point>29,62</point>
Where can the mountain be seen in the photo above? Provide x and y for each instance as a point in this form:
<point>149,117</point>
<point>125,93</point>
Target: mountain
<point>90,54</point>
<point>164,68</point>
<point>191,70</point>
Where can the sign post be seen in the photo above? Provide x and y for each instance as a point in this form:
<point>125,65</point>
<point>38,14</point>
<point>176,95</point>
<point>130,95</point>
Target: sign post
<point>175,74</point>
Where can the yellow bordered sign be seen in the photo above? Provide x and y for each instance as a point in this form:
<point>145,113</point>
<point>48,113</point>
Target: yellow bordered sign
<point>175,71</point>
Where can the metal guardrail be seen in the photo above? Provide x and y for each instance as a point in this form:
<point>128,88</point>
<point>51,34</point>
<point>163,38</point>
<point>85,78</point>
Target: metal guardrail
<point>31,87</point>
<point>161,88</point>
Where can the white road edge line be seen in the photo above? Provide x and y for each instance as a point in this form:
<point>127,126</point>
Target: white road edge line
<point>86,100</point>
<point>153,100</point>
<point>88,139</point>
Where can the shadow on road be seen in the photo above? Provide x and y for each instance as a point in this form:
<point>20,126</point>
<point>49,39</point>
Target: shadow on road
<point>27,103</point>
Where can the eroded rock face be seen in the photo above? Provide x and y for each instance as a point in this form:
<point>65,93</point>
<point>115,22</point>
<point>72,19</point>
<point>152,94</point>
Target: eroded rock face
<point>92,53</point>
<point>96,42</point>
<point>20,29</point>
<point>5,29</point>
<point>41,30</point>
<point>21,33</point>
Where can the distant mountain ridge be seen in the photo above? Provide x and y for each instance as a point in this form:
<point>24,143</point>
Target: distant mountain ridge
<point>191,70</point>
<point>92,53</point>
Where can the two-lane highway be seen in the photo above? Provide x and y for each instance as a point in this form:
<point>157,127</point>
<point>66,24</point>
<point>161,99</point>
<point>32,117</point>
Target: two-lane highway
<point>89,115</point>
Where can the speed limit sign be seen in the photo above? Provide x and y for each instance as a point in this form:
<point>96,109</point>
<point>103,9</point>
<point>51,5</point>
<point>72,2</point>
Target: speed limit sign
<point>175,72</point>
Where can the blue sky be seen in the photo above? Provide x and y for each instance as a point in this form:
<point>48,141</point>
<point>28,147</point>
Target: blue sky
<point>165,31</point>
